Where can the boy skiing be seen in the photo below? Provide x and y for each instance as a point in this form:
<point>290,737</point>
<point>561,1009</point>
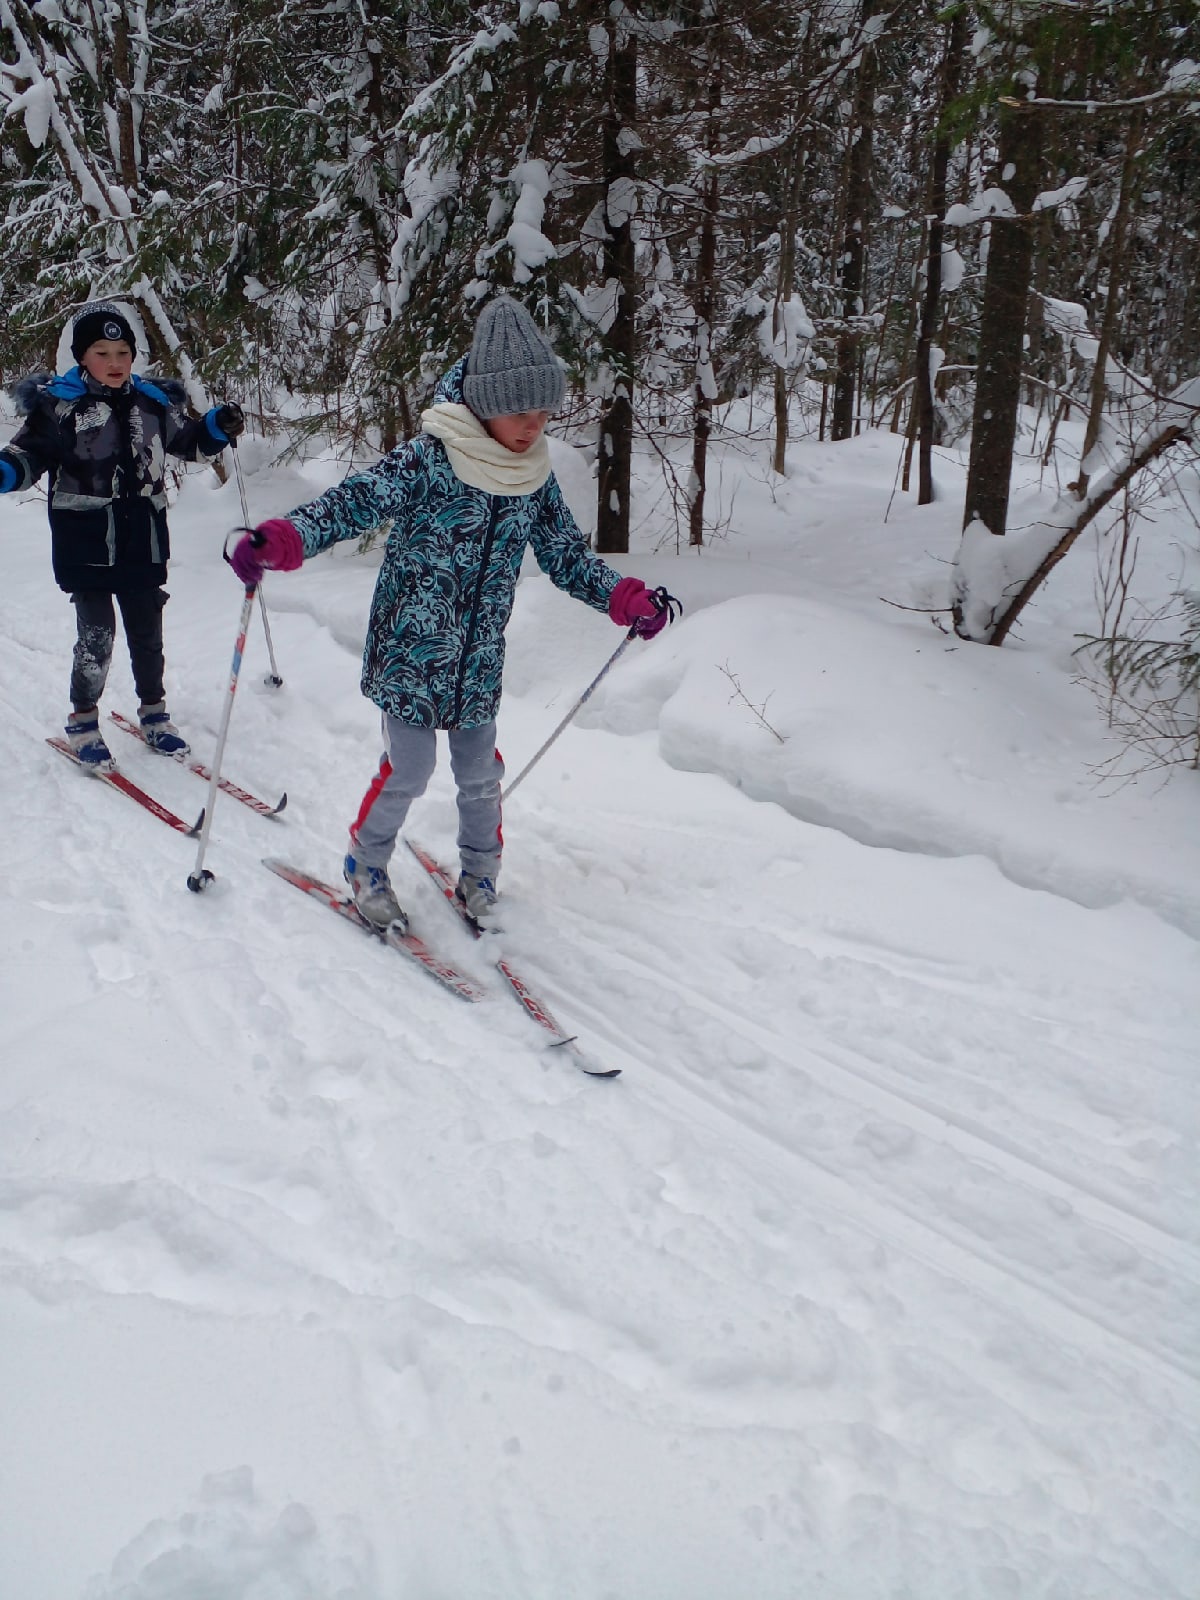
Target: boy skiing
<point>463,498</point>
<point>103,435</point>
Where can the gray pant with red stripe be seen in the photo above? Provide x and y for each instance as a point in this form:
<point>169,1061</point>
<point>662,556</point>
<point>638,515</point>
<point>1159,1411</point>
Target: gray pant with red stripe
<point>410,755</point>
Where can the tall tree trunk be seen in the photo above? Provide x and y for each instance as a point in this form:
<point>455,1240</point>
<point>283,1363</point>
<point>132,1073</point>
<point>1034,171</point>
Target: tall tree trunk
<point>789,224</point>
<point>1116,281</point>
<point>123,72</point>
<point>620,145</point>
<point>1002,323</point>
<point>783,289</point>
<point>705,296</point>
<point>854,244</point>
<point>956,36</point>
<point>702,393</point>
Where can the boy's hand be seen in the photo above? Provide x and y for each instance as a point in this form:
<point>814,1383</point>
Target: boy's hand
<point>225,422</point>
<point>274,544</point>
<point>8,476</point>
<point>644,611</point>
<point>231,419</point>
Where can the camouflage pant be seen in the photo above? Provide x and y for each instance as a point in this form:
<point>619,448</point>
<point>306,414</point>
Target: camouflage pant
<point>141,614</point>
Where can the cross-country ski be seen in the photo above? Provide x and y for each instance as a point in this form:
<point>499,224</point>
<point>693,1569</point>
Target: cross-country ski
<point>407,943</point>
<point>113,778</point>
<point>226,785</point>
<point>515,981</point>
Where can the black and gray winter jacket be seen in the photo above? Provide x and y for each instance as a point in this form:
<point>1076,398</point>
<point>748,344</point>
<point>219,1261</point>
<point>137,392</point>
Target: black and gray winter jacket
<point>105,451</point>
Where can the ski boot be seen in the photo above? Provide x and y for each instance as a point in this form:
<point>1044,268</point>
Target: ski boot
<point>477,895</point>
<point>87,742</point>
<point>160,733</point>
<point>374,896</point>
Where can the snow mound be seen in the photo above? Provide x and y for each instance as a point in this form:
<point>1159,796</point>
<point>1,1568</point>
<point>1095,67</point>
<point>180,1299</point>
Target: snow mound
<point>237,1546</point>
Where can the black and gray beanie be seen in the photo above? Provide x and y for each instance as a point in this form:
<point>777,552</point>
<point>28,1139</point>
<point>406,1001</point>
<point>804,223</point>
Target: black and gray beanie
<point>511,367</point>
<point>102,319</point>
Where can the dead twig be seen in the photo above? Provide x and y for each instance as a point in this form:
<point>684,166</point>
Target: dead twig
<point>740,694</point>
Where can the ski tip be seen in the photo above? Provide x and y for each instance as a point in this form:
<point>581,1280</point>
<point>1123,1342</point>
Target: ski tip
<point>195,830</point>
<point>282,806</point>
<point>570,1047</point>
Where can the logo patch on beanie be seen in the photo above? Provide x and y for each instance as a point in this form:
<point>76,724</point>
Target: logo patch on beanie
<point>113,330</point>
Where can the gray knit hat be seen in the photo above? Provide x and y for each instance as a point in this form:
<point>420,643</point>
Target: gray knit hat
<point>511,367</point>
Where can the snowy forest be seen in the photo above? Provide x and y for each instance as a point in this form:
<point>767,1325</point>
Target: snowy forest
<point>867,1265</point>
<point>913,215</point>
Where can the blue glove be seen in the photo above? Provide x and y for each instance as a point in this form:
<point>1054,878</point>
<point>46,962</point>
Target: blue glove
<point>8,476</point>
<point>225,423</point>
<point>231,420</point>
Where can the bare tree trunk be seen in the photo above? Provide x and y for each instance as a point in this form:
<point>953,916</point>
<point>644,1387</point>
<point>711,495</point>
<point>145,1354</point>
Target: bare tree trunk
<point>123,96</point>
<point>705,301</point>
<point>615,464</point>
<point>783,288</point>
<point>787,246</point>
<point>779,456</point>
<point>956,36</point>
<point>1116,275</point>
<point>702,397</point>
<point>1002,324</point>
<point>854,244</point>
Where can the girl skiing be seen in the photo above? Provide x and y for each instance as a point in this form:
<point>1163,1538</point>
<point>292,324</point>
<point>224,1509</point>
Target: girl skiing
<point>103,435</point>
<point>463,500</point>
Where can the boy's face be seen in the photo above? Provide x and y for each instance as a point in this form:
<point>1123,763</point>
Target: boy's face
<point>109,361</point>
<point>518,430</point>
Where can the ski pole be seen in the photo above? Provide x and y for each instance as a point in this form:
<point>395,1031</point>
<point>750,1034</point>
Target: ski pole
<point>201,876</point>
<point>663,602</point>
<point>570,716</point>
<point>272,677</point>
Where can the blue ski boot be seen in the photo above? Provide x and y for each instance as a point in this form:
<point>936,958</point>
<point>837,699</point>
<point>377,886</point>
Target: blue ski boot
<point>160,733</point>
<point>87,742</point>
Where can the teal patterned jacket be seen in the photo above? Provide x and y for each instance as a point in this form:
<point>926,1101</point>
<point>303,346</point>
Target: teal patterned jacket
<point>434,654</point>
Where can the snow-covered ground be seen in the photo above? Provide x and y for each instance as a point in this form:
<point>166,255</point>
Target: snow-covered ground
<point>874,1275</point>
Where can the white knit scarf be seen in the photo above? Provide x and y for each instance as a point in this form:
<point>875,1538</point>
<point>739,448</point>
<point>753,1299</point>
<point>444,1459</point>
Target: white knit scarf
<point>481,461</point>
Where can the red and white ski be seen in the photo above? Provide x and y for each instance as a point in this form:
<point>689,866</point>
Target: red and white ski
<point>407,943</point>
<point>530,1003</point>
<point>116,779</point>
<point>226,785</point>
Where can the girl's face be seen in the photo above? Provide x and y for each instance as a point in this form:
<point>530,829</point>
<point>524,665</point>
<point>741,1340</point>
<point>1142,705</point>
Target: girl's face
<point>109,361</point>
<point>519,430</point>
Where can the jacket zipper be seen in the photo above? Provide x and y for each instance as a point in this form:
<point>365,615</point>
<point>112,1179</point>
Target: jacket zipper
<point>126,466</point>
<point>488,541</point>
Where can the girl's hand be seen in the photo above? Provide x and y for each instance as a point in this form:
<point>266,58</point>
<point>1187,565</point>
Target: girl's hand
<point>645,611</point>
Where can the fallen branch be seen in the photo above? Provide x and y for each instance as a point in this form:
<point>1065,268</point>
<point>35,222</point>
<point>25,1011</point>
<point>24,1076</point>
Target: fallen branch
<point>1091,507</point>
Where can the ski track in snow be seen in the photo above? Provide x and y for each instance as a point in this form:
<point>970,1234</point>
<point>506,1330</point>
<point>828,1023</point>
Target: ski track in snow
<point>877,1266</point>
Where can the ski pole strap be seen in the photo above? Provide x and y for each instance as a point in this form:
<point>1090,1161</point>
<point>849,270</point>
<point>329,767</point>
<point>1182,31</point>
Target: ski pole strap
<point>664,604</point>
<point>257,540</point>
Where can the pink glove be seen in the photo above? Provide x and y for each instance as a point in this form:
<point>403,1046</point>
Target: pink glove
<point>646,611</point>
<point>274,545</point>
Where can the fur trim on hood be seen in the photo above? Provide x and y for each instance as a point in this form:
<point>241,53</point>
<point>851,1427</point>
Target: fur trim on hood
<point>25,391</point>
